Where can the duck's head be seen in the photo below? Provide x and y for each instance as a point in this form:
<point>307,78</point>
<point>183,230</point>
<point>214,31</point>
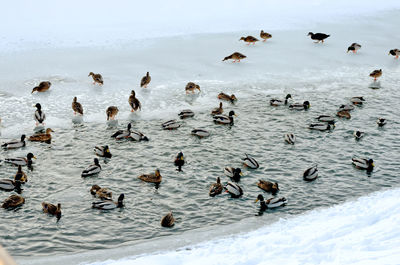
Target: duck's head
<point>133,93</point>
<point>91,73</point>
<point>218,180</point>
<point>94,189</point>
<point>310,33</point>
<point>275,186</point>
<point>238,171</point>
<point>38,106</point>
<point>232,113</point>
<point>75,99</point>
<point>242,38</point>
<point>145,138</point>
<point>96,162</point>
<point>120,200</point>
<point>288,96</point>
<point>351,48</point>
<point>233,98</point>
<point>106,149</point>
<point>392,52</point>
<point>157,173</point>
<point>49,130</point>
<point>306,104</point>
<point>371,162</point>
<point>147,74</point>
<point>19,169</point>
<point>220,105</point>
<point>180,156</point>
<point>29,156</point>
<point>23,137</point>
<point>129,126</point>
<point>260,198</point>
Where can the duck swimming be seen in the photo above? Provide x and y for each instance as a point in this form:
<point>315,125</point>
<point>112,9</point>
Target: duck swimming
<point>343,114</point>
<point>21,161</point>
<point>10,185</point>
<point>108,204</point>
<point>92,169</point>
<point>21,176</point>
<point>290,138</point>
<point>168,220</point>
<point>14,144</point>
<point>137,136</point>
<point>358,135</point>
<point>270,203</point>
<point>311,173</point>
<point>201,133</point>
<point>111,112</point>
<point>395,53</point>
<point>52,209</point>
<point>134,102</point>
<point>186,113</point>
<point>376,74</point>
<point>217,111</point>
<point>250,162</point>
<point>346,107</point>
<point>357,100</point>
<point>77,107</point>
<point>319,37</point>
<point>179,161</point>
<point>153,177</point>
<point>120,134</point>
<point>354,47</point>
<point>277,102</point>
<point>39,114</point>
<point>191,87</point>
<point>297,106</point>
<point>363,163</point>
<point>215,188</point>
<point>268,186</point>
<point>13,201</point>
<point>97,78</point>
<point>170,125</point>
<point>249,40</point>
<point>233,173</point>
<point>145,80</point>
<point>326,118</point>
<point>320,126</point>
<point>381,122</point>
<point>102,151</point>
<point>236,56</point>
<point>233,189</point>
<point>232,98</point>
<point>101,193</point>
<point>223,119</point>
<point>42,87</point>
<point>265,36</point>
<point>42,137</point>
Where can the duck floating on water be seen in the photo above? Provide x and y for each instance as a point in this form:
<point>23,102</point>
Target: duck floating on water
<point>278,102</point>
<point>321,126</point>
<point>343,114</point>
<point>108,204</point>
<point>52,209</point>
<point>249,40</point>
<point>39,115</point>
<point>215,188</point>
<point>201,133</point>
<point>77,107</point>
<point>376,74</point>
<point>42,137</point>
<point>298,106</point>
<point>346,107</point>
<point>134,102</point>
<point>191,87</point>
<point>265,36</point>
<point>92,169</point>
<point>13,201</point>
<point>97,78</point>
<point>290,138</point>
<point>10,185</point>
<point>270,203</point>
<point>152,178</point>
<point>268,186</point>
<point>224,119</point>
<point>218,111</point>
<point>233,173</point>
<point>21,161</point>
<point>357,100</point>
<point>21,176</point>
<point>250,162</point>
<point>326,118</point>
<point>311,173</point>
<point>363,163</point>
<point>42,87</point>
<point>236,57</point>
<point>145,80</point>
<point>101,193</point>
<point>395,53</point>
<point>186,113</point>
<point>111,112</point>
<point>102,151</point>
<point>14,144</point>
<point>233,189</point>
<point>179,161</point>
<point>381,122</point>
<point>354,47</point>
<point>170,125</point>
<point>138,136</point>
<point>358,135</point>
<point>232,98</point>
<point>168,220</point>
<point>319,37</point>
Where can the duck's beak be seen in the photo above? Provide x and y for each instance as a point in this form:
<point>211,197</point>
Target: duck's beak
<point>235,115</point>
<point>108,150</point>
<point>373,164</point>
<point>256,201</point>
<point>241,174</point>
<point>34,157</point>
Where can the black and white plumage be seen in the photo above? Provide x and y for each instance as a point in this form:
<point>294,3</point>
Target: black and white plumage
<point>363,163</point>
<point>233,189</point>
<point>39,114</point>
<point>250,162</point>
<point>395,53</point>
<point>311,173</point>
<point>201,133</point>
<point>15,143</point>
<point>10,185</point>
<point>102,151</point>
<point>298,106</point>
<point>186,113</point>
<point>109,204</point>
<point>357,100</point>
<point>319,37</point>
<point>320,126</point>
<point>233,173</point>
<point>170,125</point>
<point>358,135</point>
<point>290,138</point>
<point>21,161</point>
<point>381,122</point>
<point>92,169</point>
<point>138,136</point>
<point>354,47</point>
<point>346,107</point>
<point>121,134</point>
<point>224,119</point>
<point>326,118</point>
<point>270,203</point>
<point>279,102</point>
<point>215,188</point>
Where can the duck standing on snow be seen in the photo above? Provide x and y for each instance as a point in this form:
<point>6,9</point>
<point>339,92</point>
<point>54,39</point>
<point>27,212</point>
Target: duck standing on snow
<point>363,163</point>
<point>268,186</point>
<point>42,137</point>
<point>111,112</point>
<point>102,151</point>
<point>168,220</point>
<point>134,102</point>
<point>42,87</point>
<point>101,193</point>
<point>290,138</point>
<point>20,175</point>
<point>395,53</point>
<point>97,78</point>
<point>108,204</point>
<point>311,173</point>
<point>186,113</point>
<point>215,188</point>
<point>233,173</point>
<point>191,87</point>
<point>376,74</point>
<point>357,100</point>
<point>319,37</point>
<point>218,111</point>
<point>297,106</point>
<point>179,161</point>
<point>249,40</point>
<point>77,107</point>
<point>233,189</point>
<point>145,80</point>
<point>236,56</point>
<point>13,201</point>
<point>270,203</point>
<point>265,36</point>
<point>92,169</point>
<point>277,102</point>
<point>232,98</point>
<point>381,122</point>
<point>21,161</point>
<point>250,162</point>
<point>14,144</point>
<point>358,135</point>
<point>354,47</point>
<point>39,115</point>
<point>52,209</point>
<point>223,119</point>
<point>153,177</point>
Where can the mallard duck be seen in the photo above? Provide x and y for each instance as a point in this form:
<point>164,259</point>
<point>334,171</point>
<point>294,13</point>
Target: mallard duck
<point>268,186</point>
<point>52,209</point>
<point>191,87</point>
<point>92,169</point>
<point>311,173</point>
<point>10,185</point>
<point>102,151</point>
<point>233,173</point>
<point>15,143</point>
<point>170,125</point>
<point>201,133</point>
<point>265,36</point>
<point>217,111</point>
<point>138,136</point>
<point>223,119</point>
<point>97,78</point>
<point>120,134</point>
<point>270,203</point>
<point>236,56</point>
<point>21,161</point>
<point>42,87</point>
<point>168,220</point>
<point>216,188</point>
<point>290,138</point>
<point>278,102</point>
<point>232,98</point>
<point>179,161</point>
<point>134,102</point>
<point>13,201</point>
<point>326,118</point>
<point>108,204</point>
<point>111,112</point>
<point>233,189</point>
<point>250,162</point>
<point>297,106</point>
<point>186,113</point>
<point>343,114</point>
<point>381,122</point>
<point>376,74</point>
<point>319,37</point>
<point>320,126</point>
<point>363,163</point>
<point>249,40</point>
<point>395,53</point>
<point>357,100</point>
<point>346,107</point>
<point>77,107</point>
<point>101,193</point>
<point>20,175</point>
<point>39,114</point>
<point>153,177</point>
<point>358,135</point>
<point>145,80</point>
<point>42,137</point>
<point>354,47</point>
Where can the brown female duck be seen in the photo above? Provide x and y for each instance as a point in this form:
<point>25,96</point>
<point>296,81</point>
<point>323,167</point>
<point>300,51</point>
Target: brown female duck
<point>191,87</point>
<point>376,74</point>
<point>232,98</point>
<point>111,112</point>
<point>77,107</point>
<point>97,78</point>
<point>249,39</point>
<point>52,209</point>
<point>218,110</point>
<point>42,87</point>
<point>265,36</point>
<point>168,220</point>
<point>20,175</point>
<point>101,193</point>
<point>216,188</point>
<point>153,178</point>
<point>134,102</point>
<point>145,80</point>
<point>236,56</point>
<point>42,137</point>
<point>268,186</point>
<point>13,201</point>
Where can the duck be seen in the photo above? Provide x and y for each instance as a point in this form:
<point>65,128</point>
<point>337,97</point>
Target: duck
<point>77,107</point>
<point>363,163</point>
<point>111,112</point>
<point>201,133</point>
<point>346,107</point>
<point>21,161</point>
<point>265,36</point>
<point>20,175</point>
<point>290,138</point>
<point>10,185</point>
<point>250,162</point>
<point>153,177</point>
<point>320,126</point>
<point>101,193</point>
<point>179,161</point>
<point>13,201</point>
<point>343,114</point>
<point>42,87</point>
<point>14,144</point>
<point>357,100</point>
<point>233,173</point>
<point>376,74</point>
<point>120,134</point>
<point>395,53</point>
<point>134,102</point>
<point>52,209</point>
<point>236,56</point>
<point>277,102</point>
<point>97,78</point>
<point>170,125</point>
<point>218,111</point>
<point>326,118</point>
<point>222,96</point>
<point>109,204</point>
<point>223,119</point>
<point>311,173</point>
<point>270,203</point>
<point>191,87</point>
<point>42,137</point>
<point>233,189</point>
<point>102,151</point>
<point>186,113</point>
<point>354,47</point>
<point>319,37</point>
<point>168,220</point>
<point>215,188</point>
<point>249,40</point>
<point>298,106</point>
<point>381,122</point>
<point>268,186</point>
<point>358,135</point>
<point>39,114</point>
<point>138,136</point>
<point>145,80</point>
<point>92,169</point>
